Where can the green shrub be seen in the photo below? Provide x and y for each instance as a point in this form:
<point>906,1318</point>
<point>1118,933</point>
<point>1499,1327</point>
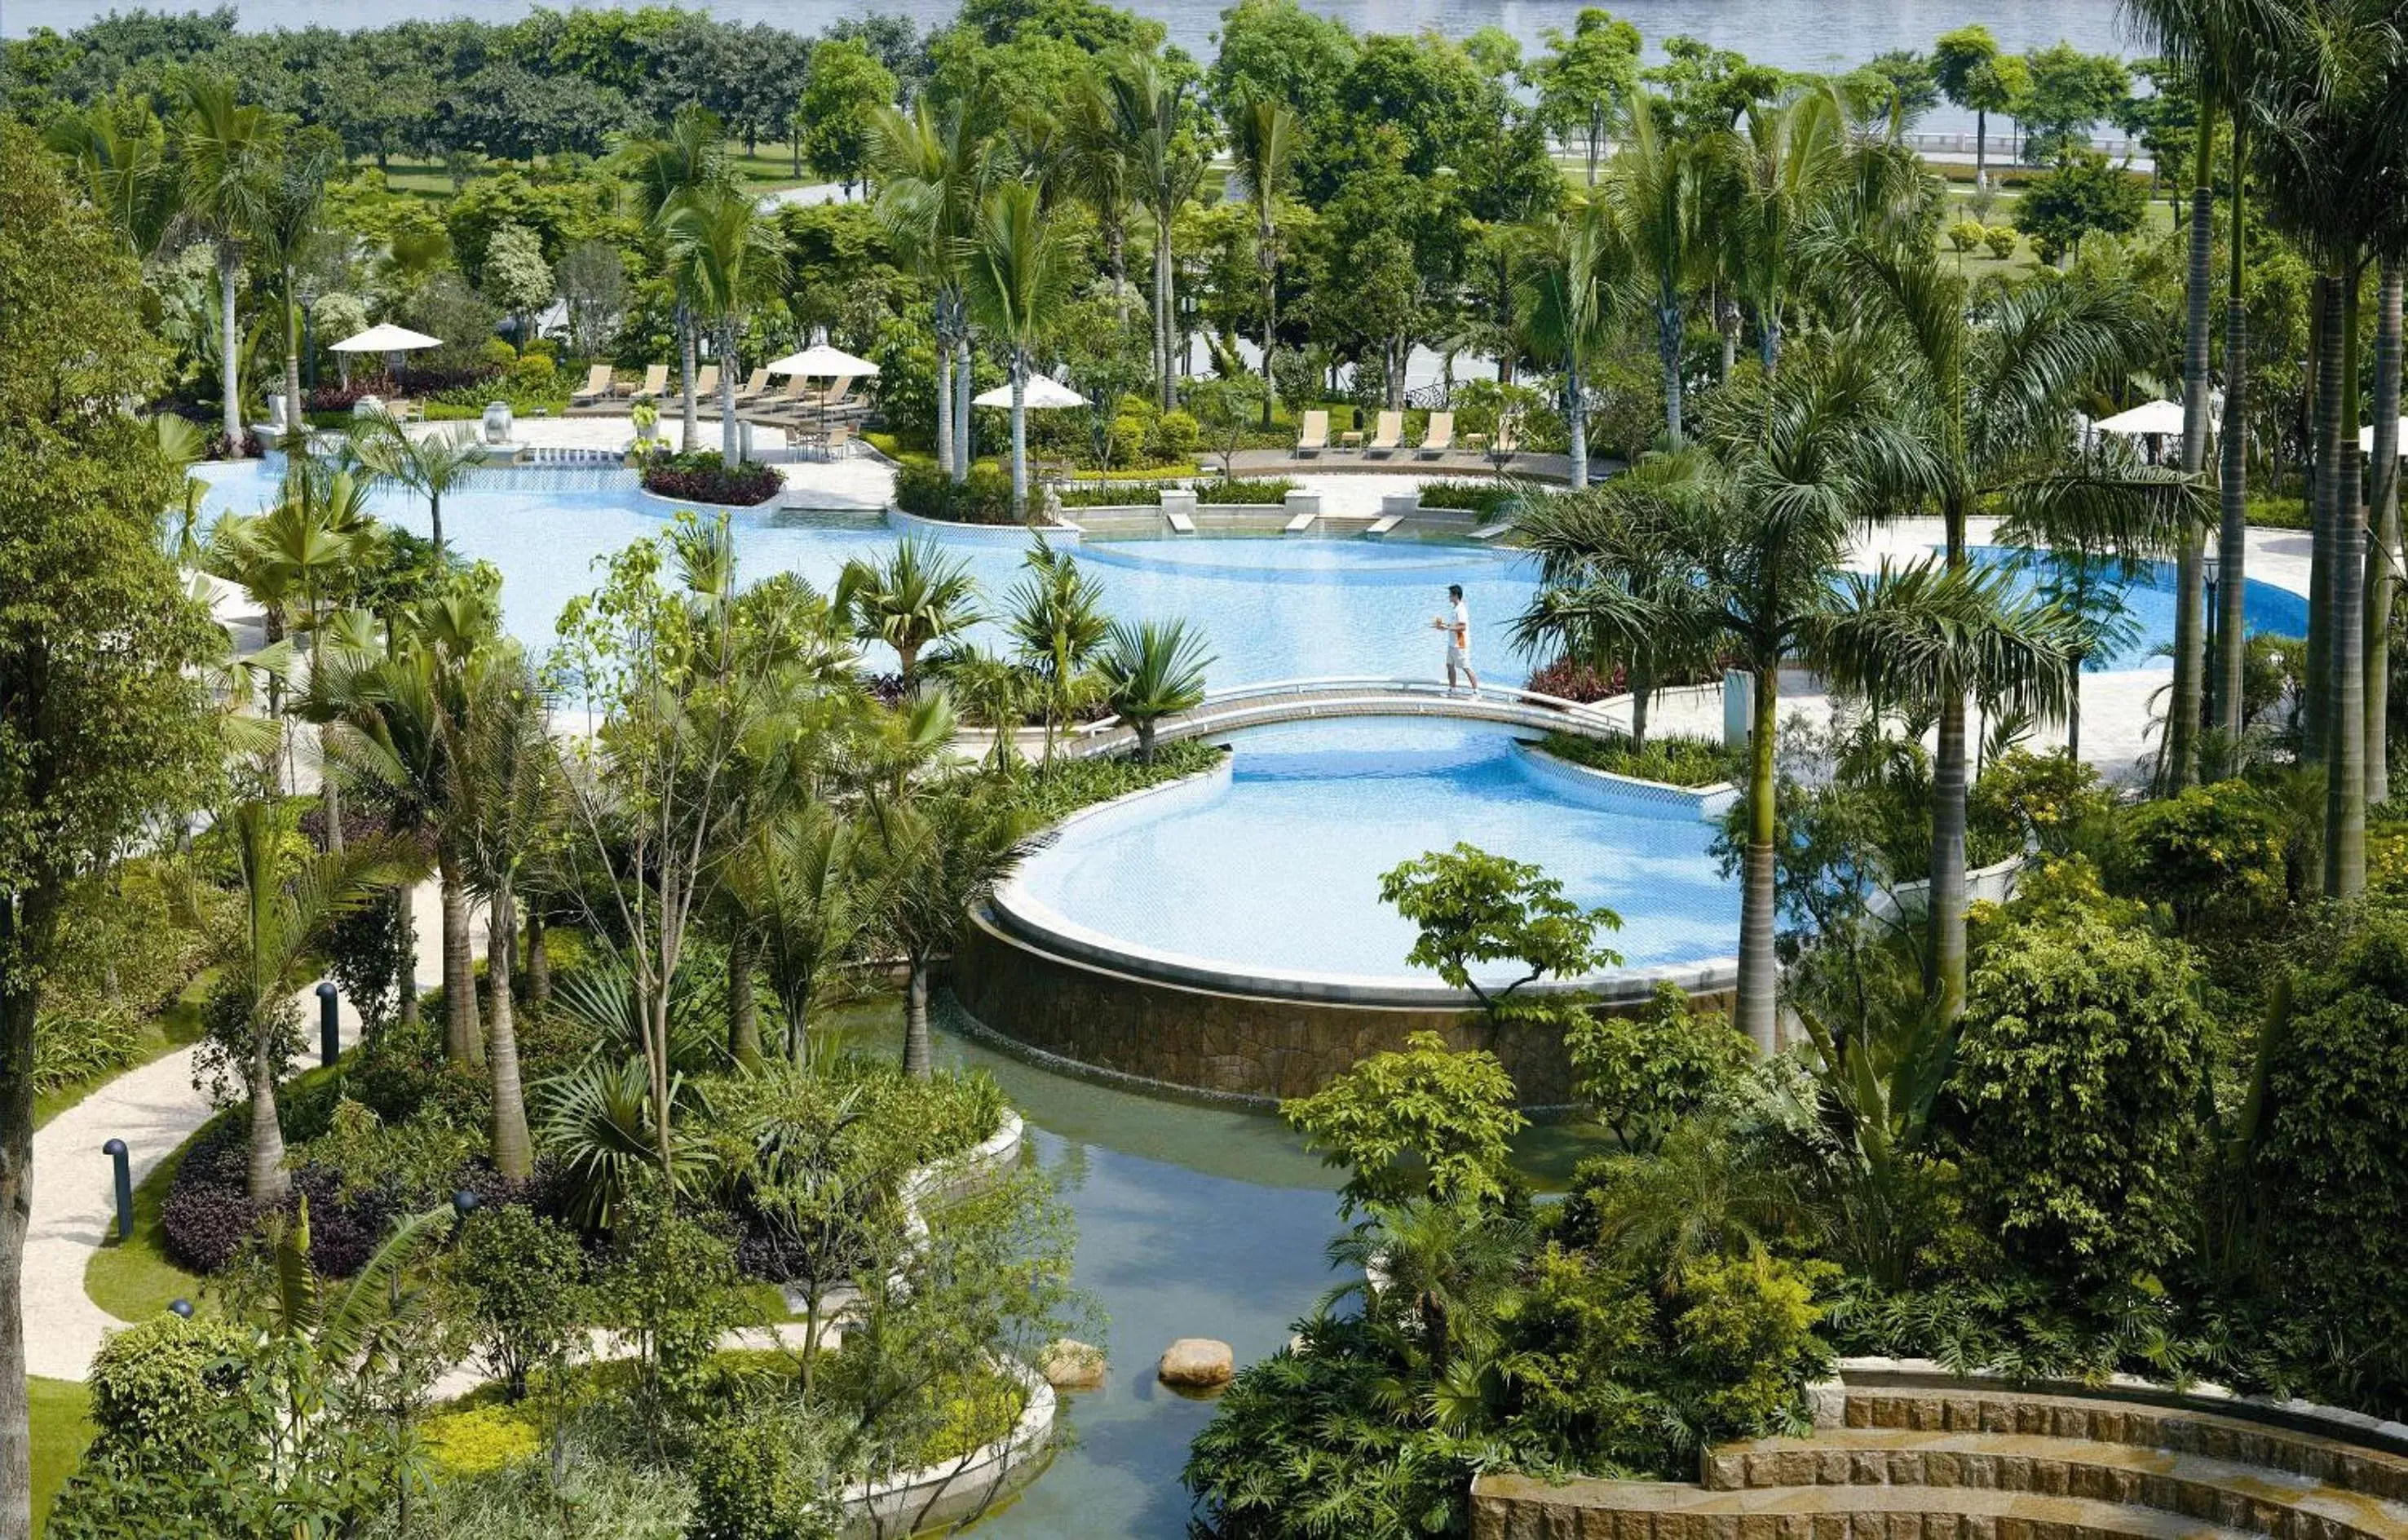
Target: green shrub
<point>984,497</point>
<point>1668,759</point>
<point>1128,440</point>
<point>1421,1121</point>
<point>1062,788</point>
<point>524,1298</point>
<point>1477,497</point>
<point>1112,494</point>
<point>2001,239</point>
<point>2266,512</point>
<point>1642,1073</point>
<point>2081,1067</point>
<point>2212,855</point>
<point>1268,490</point>
<point>152,1384</point>
<point>2046,800</point>
<point>1966,233</point>
<point>413,1159</point>
<point>756,1478</point>
<point>1176,435</point>
<point>480,1438</point>
<point>535,370</point>
<point>497,354</point>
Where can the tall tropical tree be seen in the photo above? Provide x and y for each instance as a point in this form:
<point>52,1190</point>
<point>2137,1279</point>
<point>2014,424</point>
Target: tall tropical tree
<point>2227,48</point>
<point>933,173</point>
<point>1159,131</point>
<point>283,913</point>
<point>917,595</point>
<point>1653,189</point>
<point>798,879</point>
<point>1055,617</point>
<point>308,546</point>
<point>1262,146</point>
<point>1572,268</point>
<point>1986,393</point>
<point>728,259</point>
<point>1019,282</point>
<point>1093,168</point>
<point>120,149</point>
<point>226,153</point>
<point>433,464</point>
<point>289,234</point>
<point>667,171</point>
<point>1151,670</point>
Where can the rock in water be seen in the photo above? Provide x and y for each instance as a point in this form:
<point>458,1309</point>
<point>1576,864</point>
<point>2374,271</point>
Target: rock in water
<point>1197,1363</point>
<point>1069,1364</point>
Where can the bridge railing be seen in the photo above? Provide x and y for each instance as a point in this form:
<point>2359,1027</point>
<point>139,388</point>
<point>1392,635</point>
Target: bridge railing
<point>1239,695</point>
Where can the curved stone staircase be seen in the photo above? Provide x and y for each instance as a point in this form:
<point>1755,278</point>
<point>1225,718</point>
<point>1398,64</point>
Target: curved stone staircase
<point>1979,1461</point>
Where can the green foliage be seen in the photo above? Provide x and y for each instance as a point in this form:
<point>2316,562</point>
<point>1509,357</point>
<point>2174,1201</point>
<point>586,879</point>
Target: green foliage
<point>842,86</point>
<point>2212,855</point>
<point>2081,194</point>
<point>1668,759</point>
<point>2050,801</point>
<point>754,1480</point>
<point>1472,907</point>
<point>1644,1071</point>
<point>1055,791</point>
<point>415,1158</point>
<point>1423,1119</point>
<point>1176,435</point>
<point>152,1384</point>
<point>669,1283</point>
<point>984,496</point>
<point>480,1438</point>
<point>2081,1066</point>
<point>1966,233</point>
<point>524,1301</point>
<point>2001,239</point>
<point>1476,496</point>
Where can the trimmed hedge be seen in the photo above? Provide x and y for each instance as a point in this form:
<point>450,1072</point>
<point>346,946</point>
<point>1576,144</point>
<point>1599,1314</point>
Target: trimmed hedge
<point>1475,496</point>
<point>983,498</point>
<point>702,477</point>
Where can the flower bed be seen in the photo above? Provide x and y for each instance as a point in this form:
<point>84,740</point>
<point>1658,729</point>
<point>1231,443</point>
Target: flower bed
<point>703,478</point>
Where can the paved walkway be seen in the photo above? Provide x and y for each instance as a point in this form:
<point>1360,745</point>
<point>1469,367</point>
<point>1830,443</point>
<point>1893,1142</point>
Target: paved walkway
<point>154,1109</point>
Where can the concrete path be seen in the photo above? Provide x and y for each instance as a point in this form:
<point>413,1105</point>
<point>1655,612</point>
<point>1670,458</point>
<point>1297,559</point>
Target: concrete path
<point>154,1109</point>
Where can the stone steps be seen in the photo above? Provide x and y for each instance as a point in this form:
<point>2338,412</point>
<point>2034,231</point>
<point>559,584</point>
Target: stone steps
<point>1518,1508</point>
<point>2352,1467</point>
<point>2229,1493</point>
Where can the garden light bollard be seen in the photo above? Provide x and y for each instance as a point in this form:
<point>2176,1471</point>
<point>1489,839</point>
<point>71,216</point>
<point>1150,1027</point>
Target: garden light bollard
<point>330,1027</point>
<point>115,1150</point>
<point>182,1308</point>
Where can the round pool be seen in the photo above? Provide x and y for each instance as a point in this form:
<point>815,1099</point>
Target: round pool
<point>1264,877</point>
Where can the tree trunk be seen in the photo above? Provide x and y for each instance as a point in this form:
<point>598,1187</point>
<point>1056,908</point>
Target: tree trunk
<point>1642,694</point>
<point>1020,437</point>
<point>229,347</point>
<point>1576,414</point>
<point>1948,783</point>
<point>435,521</point>
<point>690,422</point>
<point>1164,298</point>
<point>294,424</point>
<point>1266,238</point>
<point>406,962</point>
<point>2383,551</point>
<point>2182,710</point>
<point>463,1039</point>
<point>1668,351</point>
<point>727,425</point>
<point>2346,766</point>
<point>945,404</point>
<point>965,382</point>
<point>1981,147</point>
<point>2073,715</point>
<point>27,925</point>
<point>2232,489</point>
<point>270,1181</point>
<point>1758,969</point>
<point>2325,349</point>
<point>1116,245</point>
<point>513,1149</point>
<point>916,1053</point>
<point>538,959</point>
<point>743,1005</point>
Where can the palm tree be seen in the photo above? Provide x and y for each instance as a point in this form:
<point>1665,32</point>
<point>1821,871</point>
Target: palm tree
<point>498,769</point>
<point>1654,193</point>
<point>226,153</point>
<point>1150,671</point>
<point>1094,167</point>
<point>308,543</point>
<point>933,175</point>
<point>1261,144</point>
<point>1019,280</point>
<point>938,851</point>
<point>919,594</point>
<point>1058,623</point>
<point>432,465</point>
<point>1986,393</point>
<point>120,149</point>
<point>1151,105</point>
<point>283,915</point>
<point>688,162</point>
<point>2228,47</point>
<point>287,233</point>
<point>727,259</point>
<point>1573,261</point>
<point>796,880</point>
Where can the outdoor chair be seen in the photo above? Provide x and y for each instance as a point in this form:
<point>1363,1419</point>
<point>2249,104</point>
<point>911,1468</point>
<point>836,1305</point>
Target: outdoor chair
<point>706,385</point>
<point>753,388</point>
<point>1316,434</point>
<point>600,386</point>
<point>655,386</point>
<point>1438,437</point>
<point>1388,435</point>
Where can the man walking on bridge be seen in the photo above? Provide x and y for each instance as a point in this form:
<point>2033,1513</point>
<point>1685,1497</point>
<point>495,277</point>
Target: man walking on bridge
<point>1456,624</point>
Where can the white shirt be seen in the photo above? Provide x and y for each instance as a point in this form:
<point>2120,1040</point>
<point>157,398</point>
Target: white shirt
<point>1459,636</point>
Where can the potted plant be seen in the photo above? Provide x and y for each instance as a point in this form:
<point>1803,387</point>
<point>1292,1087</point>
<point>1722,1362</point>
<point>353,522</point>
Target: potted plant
<point>647,418</point>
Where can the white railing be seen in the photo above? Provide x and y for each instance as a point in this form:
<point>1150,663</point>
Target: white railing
<point>1362,687</point>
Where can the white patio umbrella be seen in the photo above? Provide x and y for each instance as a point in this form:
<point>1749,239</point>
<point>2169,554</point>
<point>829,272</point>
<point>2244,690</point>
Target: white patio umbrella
<point>1041,394</point>
<point>388,339</point>
<point>822,362</point>
<point>2148,419</point>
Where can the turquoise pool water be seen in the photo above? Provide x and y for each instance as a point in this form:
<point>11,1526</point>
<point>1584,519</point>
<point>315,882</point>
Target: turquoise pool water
<point>1277,871</point>
<point>2149,600</point>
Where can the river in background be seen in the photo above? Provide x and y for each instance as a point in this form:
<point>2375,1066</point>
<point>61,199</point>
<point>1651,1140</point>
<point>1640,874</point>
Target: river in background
<point>1801,34</point>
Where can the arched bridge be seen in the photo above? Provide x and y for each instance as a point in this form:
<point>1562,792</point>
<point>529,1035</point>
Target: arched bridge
<point>1319,700</point>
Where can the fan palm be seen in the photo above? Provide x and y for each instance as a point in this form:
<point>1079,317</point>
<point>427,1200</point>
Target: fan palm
<point>432,465</point>
<point>1151,670</point>
<point>1573,262</point>
<point>1262,144</point>
<point>933,173</point>
<point>1019,277</point>
<point>284,912</point>
<point>690,161</point>
<point>226,153</point>
<point>917,595</point>
<point>936,853</point>
<point>1986,394</point>
<point>727,259</point>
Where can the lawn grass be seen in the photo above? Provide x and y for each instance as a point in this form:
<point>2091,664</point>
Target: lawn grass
<point>769,169</point>
<point>62,1426</point>
<point>178,1027</point>
<point>132,1279</point>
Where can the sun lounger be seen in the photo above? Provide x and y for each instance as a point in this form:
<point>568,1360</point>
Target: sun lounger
<point>1316,434</point>
<point>1301,523</point>
<point>1438,437</point>
<point>1179,522</point>
<point>1388,434</point>
<point>599,387</point>
<point>655,386</point>
<point>834,395</point>
<point>1385,522</point>
<point>752,389</point>
<point>705,382</point>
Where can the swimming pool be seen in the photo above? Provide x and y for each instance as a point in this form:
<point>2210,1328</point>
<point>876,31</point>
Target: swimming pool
<point>1269,875</point>
<point>2149,600</point>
